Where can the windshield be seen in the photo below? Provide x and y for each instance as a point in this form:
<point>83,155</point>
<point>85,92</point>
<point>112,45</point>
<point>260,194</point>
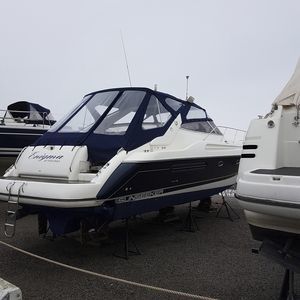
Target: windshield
<point>59,123</point>
<point>90,113</point>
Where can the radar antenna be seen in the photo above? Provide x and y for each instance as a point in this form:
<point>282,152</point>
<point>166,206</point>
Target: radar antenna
<point>124,50</point>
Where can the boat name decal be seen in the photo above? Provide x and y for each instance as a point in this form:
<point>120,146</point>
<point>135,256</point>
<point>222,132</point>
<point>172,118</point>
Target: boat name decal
<point>45,157</point>
<point>139,196</point>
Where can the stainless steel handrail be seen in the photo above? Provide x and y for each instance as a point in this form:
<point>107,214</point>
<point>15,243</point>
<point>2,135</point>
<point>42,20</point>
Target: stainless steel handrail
<point>5,116</point>
<point>226,128</point>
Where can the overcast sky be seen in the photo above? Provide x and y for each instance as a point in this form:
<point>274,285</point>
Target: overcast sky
<point>239,54</point>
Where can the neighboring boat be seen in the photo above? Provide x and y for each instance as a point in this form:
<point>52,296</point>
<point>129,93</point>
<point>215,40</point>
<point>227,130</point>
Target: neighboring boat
<point>268,185</point>
<point>121,152</point>
<point>20,125</point>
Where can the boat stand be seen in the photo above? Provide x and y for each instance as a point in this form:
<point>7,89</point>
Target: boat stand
<point>228,208</point>
<point>127,242</point>
<point>283,255</point>
<point>44,229</point>
<point>84,233</point>
<point>287,288</point>
<point>90,233</point>
<point>42,224</point>
<point>190,223</point>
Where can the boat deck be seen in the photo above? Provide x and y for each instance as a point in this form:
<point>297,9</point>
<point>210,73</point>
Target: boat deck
<point>285,171</point>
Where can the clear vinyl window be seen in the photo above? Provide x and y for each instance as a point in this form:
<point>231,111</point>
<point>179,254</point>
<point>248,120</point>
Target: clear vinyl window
<point>197,120</point>
<point>90,113</point>
<point>59,123</point>
<point>156,114</point>
<point>175,105</point>
<point>121,114</point>
<point>196,113</point>
<point>202,126</point>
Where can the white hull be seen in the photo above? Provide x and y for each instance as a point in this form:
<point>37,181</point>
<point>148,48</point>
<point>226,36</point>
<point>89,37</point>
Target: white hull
<point>85,189</point>
<point>268,185</point>
<point>278,219</point>
<point>65,183</point>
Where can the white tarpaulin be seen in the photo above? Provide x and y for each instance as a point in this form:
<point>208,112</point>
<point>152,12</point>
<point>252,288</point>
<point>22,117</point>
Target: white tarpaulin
<point>290,94</point>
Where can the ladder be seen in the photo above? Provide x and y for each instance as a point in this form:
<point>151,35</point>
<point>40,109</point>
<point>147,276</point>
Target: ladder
<point>11,213</point>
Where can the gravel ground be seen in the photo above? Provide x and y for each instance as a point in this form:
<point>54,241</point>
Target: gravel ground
<point>215,261</point>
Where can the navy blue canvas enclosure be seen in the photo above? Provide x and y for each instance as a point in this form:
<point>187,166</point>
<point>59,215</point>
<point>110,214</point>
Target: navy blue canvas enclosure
<point>127,118</point>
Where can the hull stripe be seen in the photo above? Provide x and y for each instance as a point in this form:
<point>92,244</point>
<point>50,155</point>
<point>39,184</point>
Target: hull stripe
<point>269,202</point>
<point>19,133</point>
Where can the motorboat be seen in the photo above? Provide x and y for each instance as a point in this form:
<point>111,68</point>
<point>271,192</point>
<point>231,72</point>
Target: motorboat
<point>119,153</point>
<point>268,185</point>
<point>20,125</point>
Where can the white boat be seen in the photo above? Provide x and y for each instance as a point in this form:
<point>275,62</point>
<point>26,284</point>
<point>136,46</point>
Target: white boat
<point>268,186</point>
<point>21,124</point>
<point>122,152</point>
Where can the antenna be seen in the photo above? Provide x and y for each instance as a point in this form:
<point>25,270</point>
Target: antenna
<point>187,87</point>
<point>128,73</point>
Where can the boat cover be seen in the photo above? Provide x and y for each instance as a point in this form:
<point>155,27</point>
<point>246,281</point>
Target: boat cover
<point>31,111</point>
<point>290,95</point>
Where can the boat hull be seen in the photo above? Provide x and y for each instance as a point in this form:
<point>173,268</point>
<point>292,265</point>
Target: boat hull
<point>269,215</point>
<point>128,188</point>
<point>268,184</point>
<point>64,220</point>
<point>134,179</point>
<point>261,234</point>
<point>269,198</point>
<point>120,181</point>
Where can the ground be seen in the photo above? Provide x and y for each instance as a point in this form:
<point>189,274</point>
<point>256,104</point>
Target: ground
<point>215,261</point>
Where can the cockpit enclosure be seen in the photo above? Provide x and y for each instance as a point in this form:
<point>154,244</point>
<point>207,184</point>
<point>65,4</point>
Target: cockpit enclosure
<point>108,120</point>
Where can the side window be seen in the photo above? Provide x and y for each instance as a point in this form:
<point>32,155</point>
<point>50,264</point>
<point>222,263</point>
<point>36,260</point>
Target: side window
<point>202,126</point>
<point>175,105</point>
<point>196,113</point>
<point>156,115</point>
<point>197,120</point>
